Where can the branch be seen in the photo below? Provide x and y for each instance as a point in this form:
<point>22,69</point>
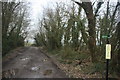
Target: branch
<point>15,6</point>
<point>98,7</point>
<point>114,13</point>
<point>80,4</point>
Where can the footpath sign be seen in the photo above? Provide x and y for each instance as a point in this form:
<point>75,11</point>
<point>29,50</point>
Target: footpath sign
<point>108,51</point>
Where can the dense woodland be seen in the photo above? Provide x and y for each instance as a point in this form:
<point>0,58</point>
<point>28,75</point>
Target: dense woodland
<point>77,29</point>
<point>72,31</point>
<point>15,21</point>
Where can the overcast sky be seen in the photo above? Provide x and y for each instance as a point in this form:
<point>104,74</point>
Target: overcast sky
<point>37,7</point>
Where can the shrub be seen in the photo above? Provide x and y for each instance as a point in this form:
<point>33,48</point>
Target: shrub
<point>68,53</point>
<point>94,67</point>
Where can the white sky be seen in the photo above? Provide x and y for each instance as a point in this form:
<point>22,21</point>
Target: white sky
<point>37,7</point>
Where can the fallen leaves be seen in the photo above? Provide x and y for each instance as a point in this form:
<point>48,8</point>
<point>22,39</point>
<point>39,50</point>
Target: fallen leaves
<point>47,72</point>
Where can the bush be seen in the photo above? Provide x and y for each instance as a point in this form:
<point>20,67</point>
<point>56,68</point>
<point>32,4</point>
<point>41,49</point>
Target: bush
<point>68,53</point>
<point>11,42</point>
<point>94,67</point>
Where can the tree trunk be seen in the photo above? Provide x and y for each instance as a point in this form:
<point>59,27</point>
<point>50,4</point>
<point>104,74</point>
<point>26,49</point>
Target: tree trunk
<point>118,38</point>
<point>118,52</point>
<point>87,6</point>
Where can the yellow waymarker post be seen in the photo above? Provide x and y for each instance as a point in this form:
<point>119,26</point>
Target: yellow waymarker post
<point>108,51</point>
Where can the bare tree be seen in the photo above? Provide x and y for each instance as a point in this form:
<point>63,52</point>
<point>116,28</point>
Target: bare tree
<point>88,8</point>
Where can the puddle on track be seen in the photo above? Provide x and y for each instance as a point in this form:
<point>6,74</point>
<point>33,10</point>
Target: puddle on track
<point>23,59</point>
<point>35,68</point>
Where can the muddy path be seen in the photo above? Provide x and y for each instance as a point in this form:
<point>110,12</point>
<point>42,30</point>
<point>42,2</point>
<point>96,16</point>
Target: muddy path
<point>30,62</point>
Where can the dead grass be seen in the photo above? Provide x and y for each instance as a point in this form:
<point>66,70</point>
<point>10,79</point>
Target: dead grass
<point>77,72</point>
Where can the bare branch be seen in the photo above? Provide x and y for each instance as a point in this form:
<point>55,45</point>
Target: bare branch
<point>98,7</point>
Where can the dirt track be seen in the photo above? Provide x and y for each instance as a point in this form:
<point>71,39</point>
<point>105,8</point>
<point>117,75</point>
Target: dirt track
<point>30,62</point>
